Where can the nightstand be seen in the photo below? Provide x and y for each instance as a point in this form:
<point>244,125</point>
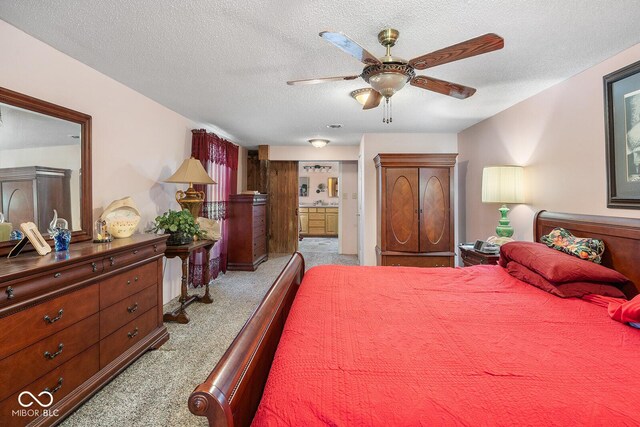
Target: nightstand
<point>472,257</point>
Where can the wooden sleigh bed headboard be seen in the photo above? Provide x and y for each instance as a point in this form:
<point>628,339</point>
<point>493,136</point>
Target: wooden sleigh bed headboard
<point>231,394</point>
<point>621,237</point>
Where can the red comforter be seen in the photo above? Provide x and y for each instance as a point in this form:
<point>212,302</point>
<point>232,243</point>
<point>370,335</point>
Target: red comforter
<point>390,346</point>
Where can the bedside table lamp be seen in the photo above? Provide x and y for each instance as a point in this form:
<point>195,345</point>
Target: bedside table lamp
<point>503,184</point>
<point>190,172</point>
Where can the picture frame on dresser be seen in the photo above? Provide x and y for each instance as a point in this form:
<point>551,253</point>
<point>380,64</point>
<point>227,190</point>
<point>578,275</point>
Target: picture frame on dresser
<point>622,134</point>
<point>28,191</point>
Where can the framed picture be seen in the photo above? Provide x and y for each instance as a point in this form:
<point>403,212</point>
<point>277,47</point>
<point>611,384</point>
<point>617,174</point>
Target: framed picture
<point>303,186</point>
<point>622,126</point>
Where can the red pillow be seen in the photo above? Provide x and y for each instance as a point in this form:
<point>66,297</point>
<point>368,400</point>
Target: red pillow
<point>627,311</point>
<point>555,266</point>
<point>563,290</point>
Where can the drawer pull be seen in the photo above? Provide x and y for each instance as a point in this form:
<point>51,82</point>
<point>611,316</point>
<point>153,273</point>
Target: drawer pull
<point>94,267</point>
<point>51,356</point>
<point>133,308</point>
<point>57,387</point>
<point>55,319</point>
<point>57,275</point>
<point>112,261</point>
<point>128,282</point>
<point>10,293</point>
<point>135,252</point>
<point>155,248</point>
<point>133,333</point>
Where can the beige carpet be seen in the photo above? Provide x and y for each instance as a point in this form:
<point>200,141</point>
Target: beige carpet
<point>154,390</point>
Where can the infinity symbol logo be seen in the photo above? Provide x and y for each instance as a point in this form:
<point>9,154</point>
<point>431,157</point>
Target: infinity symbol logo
<point>35,399</point>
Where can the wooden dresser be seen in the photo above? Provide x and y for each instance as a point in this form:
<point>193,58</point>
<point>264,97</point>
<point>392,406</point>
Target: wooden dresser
<point>247,231</point>
<point>71,321</point>
<point>415,210</point>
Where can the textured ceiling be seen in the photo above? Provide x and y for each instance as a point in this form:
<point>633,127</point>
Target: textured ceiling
<point>226,62</point>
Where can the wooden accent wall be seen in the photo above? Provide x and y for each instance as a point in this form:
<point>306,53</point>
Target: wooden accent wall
<point>253,170</point>
<point>282,213</point>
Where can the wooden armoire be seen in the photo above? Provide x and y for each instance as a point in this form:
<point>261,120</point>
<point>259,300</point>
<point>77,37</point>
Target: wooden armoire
<point>415,210</point>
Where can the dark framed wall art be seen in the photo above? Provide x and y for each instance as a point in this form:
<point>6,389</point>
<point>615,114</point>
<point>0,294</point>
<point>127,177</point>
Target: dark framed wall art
<point>622,130</point>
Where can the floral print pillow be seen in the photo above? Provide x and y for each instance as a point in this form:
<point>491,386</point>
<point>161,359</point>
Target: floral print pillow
<point>581,247</point>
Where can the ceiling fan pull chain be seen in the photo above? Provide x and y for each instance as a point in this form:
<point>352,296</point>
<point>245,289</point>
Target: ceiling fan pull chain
<point>390,111</point>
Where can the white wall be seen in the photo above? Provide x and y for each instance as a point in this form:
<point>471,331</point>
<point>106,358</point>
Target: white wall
<point>348,220</point>
<point>136,141</point>
<point>316,178</point>
<point>308,152</point>
<point>373,144</point>
<point>559,136</point>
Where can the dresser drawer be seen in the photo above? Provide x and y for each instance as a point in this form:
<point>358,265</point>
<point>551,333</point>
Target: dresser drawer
<point>28,364</point>
<point>46,319</point>
<point>125,337</point>
<point>126,310</point>
<point>59,382</point>
<point>21,290</point>
<point>418,261</point>
<point>259,251</point>
<point>122,259</point>
<point>260,210</point>
<point>259,230</point>
<point>128,283</point>
<point>259,220</point>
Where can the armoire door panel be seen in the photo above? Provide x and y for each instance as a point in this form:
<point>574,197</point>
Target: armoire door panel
<point>434,210</point>
<point>402,208</point>
<point>18,202</point>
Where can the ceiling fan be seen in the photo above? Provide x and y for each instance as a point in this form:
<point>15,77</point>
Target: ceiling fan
<point>388,74</point>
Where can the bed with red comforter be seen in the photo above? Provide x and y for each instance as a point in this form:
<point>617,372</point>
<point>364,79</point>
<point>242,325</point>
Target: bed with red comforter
<point>522,343</point>
<point>387,346</point>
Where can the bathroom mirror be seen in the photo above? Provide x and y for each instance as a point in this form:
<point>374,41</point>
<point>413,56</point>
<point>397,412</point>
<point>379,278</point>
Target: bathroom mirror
<point>45,164</point>
<point>332,187</point>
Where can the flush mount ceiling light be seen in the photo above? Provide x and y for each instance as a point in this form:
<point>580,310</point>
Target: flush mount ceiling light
<point>318,143</point>
<point>361,95</point>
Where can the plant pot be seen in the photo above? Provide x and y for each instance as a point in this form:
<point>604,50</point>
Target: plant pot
<point>179,238</point>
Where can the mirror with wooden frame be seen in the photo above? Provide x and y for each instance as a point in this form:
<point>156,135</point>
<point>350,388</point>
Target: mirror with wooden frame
<point>45,164</point>
<point>332,187</point>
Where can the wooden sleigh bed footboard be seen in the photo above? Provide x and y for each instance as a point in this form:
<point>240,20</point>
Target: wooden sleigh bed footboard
<point>231,394</point>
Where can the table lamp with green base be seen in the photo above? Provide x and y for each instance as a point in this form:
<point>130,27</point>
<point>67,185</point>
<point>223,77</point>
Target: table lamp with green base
<point>503,184</point>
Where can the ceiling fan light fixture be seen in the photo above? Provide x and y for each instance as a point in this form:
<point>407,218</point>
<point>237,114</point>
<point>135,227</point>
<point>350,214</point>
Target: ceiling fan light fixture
<point>388,78</point>
<point>361,95</point>
<point>318,143</point>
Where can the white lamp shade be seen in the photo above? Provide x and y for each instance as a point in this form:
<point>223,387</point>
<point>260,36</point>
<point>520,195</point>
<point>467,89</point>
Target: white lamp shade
<point>503,184</point>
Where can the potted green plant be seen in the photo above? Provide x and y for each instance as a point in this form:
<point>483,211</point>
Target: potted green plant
<point>180,225</point>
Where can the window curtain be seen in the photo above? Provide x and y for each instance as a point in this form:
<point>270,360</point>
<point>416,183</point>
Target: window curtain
<point>220,159</point>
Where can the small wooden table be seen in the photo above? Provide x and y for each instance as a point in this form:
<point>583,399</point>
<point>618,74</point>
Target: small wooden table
<point>472,257</point>
<point>183,251</point>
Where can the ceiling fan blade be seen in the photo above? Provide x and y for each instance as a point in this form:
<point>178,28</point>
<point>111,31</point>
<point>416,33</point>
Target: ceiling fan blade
<point>320,80</point>
<point>349,46</point>
<point>477,46</point>
<point>373,100</point>
<point>443,87</point>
